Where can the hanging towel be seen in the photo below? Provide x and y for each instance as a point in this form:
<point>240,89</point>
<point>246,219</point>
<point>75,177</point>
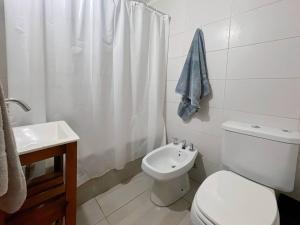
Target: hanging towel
<point>193,83</point>
<point>12,181</point>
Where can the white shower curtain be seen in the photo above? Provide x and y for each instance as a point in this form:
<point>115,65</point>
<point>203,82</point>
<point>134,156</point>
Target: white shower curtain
<point>100,65</point>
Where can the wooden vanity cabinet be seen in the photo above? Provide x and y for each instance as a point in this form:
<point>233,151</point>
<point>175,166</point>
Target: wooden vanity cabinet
<point>51,198</point>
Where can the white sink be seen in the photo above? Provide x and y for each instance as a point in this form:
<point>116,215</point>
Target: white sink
<point>40,136</point>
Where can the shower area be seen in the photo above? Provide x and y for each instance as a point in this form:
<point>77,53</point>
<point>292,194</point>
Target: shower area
<point>98,65</point>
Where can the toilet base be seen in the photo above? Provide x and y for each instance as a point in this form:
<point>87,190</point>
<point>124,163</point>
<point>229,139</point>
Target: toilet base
<point>164,193</point>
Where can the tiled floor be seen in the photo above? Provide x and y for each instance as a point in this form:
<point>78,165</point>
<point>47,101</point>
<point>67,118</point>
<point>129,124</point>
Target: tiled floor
<point>130,204</point>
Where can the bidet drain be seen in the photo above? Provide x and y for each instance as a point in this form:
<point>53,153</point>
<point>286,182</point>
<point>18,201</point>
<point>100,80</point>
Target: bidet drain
<point>173,166</point>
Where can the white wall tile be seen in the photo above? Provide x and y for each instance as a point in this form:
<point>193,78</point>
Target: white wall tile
<point>267,60</point>
<point>258,84</point>
<point>187,40</point>
<point>209,146</point>
<point>275,21</point>
<point>171,95</point>
<point>216,100</point>
<point>216,35</point>
<point>239,6</point>
<point>207,120</point>
<point>211,167</point>
<point>216,64</point>
<point>177,10</point>
<point>201,12</point>
<point>175,45</point>
<point>175,66</point>
<point>278,97</point>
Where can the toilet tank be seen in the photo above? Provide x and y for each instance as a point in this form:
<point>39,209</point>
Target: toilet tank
<point>262,154</point>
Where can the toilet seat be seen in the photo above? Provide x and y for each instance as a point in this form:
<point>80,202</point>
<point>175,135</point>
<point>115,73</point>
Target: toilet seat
<point>226,198</point>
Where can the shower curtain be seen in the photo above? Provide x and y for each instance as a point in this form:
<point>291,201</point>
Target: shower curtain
<point>100,65</point>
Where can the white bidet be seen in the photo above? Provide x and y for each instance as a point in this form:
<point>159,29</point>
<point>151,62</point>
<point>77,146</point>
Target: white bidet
<point>168,166</point>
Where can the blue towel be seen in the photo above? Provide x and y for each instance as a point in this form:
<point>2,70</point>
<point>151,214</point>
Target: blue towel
<point>193,84</point>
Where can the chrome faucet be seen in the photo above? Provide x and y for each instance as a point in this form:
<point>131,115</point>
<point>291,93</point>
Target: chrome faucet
<point>20,103</point>
<point>191,147</point>
<point>183,144</point>
<point>175,141</point>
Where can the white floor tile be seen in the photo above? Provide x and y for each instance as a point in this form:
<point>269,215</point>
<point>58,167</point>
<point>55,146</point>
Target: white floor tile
<point>186,220</point>
<point>142,211</point>
<point>103,222</point>
<point>119,196</point>
<point>89,213</point>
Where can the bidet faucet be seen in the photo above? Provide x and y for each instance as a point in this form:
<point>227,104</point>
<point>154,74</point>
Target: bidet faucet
<point>175,141</point>
<point>191,147</point>
<point>183,144</point>
<point>20,103</point>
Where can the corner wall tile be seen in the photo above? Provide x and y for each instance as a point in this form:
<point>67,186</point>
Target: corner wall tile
<point>278,59</point>
<point>273,22</point>
<point>275,97</point>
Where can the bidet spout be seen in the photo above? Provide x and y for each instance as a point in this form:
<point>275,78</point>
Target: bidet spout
<point>20,103</point>
<point>184,145</point>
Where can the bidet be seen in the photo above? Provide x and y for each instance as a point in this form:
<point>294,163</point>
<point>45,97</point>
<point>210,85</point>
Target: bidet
<point>168,166</point>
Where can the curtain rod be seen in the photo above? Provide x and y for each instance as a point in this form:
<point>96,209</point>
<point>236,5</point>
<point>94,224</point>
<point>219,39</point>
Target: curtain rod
<point>150,7</point>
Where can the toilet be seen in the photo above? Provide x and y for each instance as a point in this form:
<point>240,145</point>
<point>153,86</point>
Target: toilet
<point>168,166</point>
<point>257,160</point>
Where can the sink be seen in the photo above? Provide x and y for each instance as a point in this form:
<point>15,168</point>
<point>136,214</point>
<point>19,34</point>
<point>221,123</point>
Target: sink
<point>40,136</point>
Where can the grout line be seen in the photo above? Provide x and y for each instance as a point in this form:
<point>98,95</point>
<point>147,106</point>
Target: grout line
<point>126,203</point>
<point>212,79</point>
<point>243,45</point>
<point>227,59</point>
<point>227,17</point>
<point>263,78</point>
<point>194,130</point>
<point>211,107</point>
<point>247,78</point>
<point>255,8</point>
<point>261,114</point>
<point>191,28</point>
<point>116,187</point>
<point>216,21</point>
<point>100,209</point>
<point>265,42</point>
<point>107,221</point>
<point>254,113</point>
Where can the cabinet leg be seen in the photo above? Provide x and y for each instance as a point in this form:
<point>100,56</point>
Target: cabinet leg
<point>71,183</point>
<point>59,222</point>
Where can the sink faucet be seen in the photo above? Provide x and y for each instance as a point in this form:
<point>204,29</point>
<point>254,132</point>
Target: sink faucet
<point>20,103</point>
<point>184,145</point>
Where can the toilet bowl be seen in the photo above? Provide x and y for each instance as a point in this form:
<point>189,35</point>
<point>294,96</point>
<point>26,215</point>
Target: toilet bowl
<point>168,166</point>
<point>258,158</point>
<point>228,199</point>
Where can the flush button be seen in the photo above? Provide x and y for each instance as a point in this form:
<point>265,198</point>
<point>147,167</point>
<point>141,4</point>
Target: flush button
<point>255,126</point>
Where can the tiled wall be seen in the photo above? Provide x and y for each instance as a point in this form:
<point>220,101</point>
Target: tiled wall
<point>3,70</point>
<point>253,53</point>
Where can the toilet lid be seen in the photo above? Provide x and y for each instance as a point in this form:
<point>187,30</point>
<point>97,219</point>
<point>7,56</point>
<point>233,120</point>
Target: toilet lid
<point>228,199</point>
